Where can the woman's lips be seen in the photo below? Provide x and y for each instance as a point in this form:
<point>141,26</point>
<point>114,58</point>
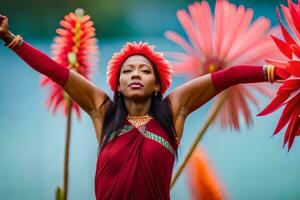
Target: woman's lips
<point>136,85</point>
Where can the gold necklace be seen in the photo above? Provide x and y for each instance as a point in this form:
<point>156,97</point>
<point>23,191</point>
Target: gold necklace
<point>138,121</point>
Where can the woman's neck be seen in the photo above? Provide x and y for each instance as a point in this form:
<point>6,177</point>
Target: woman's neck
<point>137,108</point>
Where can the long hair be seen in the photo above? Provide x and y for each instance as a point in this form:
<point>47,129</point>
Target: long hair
<point>160,109</point>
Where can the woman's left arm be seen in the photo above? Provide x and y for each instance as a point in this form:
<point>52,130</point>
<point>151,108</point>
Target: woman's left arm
<point>192,95</point>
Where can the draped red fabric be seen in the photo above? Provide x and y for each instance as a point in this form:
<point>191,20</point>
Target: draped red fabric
<point>132,166</point>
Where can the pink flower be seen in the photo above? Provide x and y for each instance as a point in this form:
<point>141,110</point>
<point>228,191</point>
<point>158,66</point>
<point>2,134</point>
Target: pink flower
<point>288,95</point>
<point>75,48</point>
<point>216,42</point>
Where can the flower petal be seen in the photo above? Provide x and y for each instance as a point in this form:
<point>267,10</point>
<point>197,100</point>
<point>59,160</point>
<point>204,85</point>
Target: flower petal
<point>294,68</point>
<point>289,86</point>
<point>288,38</point>
<point>275,104</point>
<point>294,14</point>
<point>285,116</point>
<point>283,47</point>
<point>293,132</point>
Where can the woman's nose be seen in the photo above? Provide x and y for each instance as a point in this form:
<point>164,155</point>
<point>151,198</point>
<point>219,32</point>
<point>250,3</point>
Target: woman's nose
<point>135,74</point>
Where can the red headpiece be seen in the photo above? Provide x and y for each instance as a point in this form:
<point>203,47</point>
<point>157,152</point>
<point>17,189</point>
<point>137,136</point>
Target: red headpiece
<point>141,48</point>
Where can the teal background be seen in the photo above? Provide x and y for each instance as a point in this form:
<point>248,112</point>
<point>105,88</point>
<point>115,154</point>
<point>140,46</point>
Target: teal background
<point>250,164</point>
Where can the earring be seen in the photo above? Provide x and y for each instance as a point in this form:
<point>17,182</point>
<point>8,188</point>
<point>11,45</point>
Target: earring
<point>119,92</point>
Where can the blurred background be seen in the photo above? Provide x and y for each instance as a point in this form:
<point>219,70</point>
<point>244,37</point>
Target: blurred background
<point>250,164</point>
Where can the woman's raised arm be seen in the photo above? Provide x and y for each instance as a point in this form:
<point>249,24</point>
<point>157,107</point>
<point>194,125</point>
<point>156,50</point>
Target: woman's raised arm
<point>85,93</point>
<point>193,94</point>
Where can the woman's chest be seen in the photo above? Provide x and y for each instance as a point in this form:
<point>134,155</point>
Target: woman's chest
<point>148,145</point>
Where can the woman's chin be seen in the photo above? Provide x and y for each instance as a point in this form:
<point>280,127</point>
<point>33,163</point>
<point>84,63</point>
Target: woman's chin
<point>137,96</point>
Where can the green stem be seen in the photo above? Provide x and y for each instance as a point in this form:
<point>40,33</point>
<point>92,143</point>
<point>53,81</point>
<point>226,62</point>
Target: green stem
<point>67,149</point>
<point>212,115</point>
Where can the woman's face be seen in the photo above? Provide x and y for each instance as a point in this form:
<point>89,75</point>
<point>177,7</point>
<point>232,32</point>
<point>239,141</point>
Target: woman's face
<point>137,78</point>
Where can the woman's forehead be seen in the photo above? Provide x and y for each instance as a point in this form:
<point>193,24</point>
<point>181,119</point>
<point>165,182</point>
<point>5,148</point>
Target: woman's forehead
<point>137,60</point>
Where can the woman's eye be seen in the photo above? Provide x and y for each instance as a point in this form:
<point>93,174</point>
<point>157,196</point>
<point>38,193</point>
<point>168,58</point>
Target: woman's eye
<point>147,71</point>
<point>125,71</point>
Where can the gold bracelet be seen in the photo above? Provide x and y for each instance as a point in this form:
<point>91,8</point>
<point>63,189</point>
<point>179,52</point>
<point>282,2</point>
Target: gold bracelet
<point>265,72</point>
<point>18,40</point>
<point>14,42</point>
<point>272,78</point>
<point>10,39</point>
<point>268,72</point>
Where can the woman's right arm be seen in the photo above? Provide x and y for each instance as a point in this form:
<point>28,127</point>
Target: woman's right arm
<point>85,93</point>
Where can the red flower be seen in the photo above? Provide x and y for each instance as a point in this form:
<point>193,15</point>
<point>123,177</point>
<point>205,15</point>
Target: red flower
<point>288,95</point>
<point>75,48</point>
<point>220,40</point>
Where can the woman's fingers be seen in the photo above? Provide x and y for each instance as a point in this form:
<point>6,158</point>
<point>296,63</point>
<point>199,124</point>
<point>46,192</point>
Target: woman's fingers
<point>3,27</point>
<point>3,22</point>
<point>3,19</point>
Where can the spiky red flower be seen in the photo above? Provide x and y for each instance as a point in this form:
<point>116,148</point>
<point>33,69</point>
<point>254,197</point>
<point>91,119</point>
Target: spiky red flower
<point>75,48</point>
<point>141,48</point>
<point>288,95</point>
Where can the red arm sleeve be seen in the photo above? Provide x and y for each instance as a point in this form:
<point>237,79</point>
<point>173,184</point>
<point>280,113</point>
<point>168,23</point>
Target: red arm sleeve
<point>42,63</point>
<point>231,76</point>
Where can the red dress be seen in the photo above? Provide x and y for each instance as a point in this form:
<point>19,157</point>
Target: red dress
<point>137,164</point>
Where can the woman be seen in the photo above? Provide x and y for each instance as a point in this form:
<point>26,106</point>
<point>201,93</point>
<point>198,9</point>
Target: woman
<point>138,130</point>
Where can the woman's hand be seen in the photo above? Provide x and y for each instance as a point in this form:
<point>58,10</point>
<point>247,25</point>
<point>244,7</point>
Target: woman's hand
<point>3,24</point>
<point>5,34</point>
